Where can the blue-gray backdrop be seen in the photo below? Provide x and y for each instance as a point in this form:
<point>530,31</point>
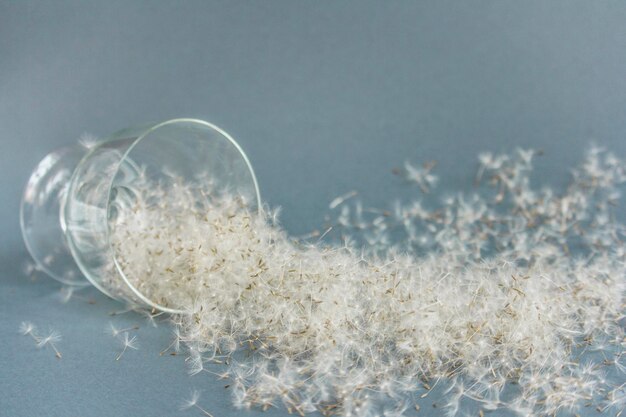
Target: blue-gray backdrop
<point>324,96</point>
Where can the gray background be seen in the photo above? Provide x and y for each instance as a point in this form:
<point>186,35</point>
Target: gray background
<point>323,96</point>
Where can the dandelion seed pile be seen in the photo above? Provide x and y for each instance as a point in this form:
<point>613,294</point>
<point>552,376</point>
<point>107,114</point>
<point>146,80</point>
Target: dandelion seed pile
<point>511,297</point>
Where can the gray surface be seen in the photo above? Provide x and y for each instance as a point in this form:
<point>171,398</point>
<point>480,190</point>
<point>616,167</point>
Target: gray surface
<point>323,96</point>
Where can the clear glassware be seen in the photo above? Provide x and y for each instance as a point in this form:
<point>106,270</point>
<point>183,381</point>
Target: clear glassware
<point>75,193</point>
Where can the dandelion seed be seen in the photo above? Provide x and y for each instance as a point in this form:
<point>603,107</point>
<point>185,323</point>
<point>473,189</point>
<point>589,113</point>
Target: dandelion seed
<point>325,233</point>
<point>175,343</point>
<point>151,317</point>
<point>123,311</point>
<point>421,176</point>
<point>88,141</point>
<point>28,328</point>
<point>341,199</point>
<point>114,331</point>
<point>310,235</point>
<point>65,294</point>
<point>195,361</point>
<point>192,402</point>
<point>29,268</point>
<point>50,340</point>
<point>127,343</point>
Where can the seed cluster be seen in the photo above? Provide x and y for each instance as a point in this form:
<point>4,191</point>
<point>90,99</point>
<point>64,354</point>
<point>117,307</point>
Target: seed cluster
<point>509,298</point>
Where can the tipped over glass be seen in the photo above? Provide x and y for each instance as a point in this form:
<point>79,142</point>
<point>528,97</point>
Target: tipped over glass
<point>76,195</point>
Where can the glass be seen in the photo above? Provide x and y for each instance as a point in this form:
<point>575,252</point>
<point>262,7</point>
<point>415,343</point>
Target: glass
<point>76,193</point>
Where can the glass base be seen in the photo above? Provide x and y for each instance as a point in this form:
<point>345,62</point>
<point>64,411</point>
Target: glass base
<point>41,214</point>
